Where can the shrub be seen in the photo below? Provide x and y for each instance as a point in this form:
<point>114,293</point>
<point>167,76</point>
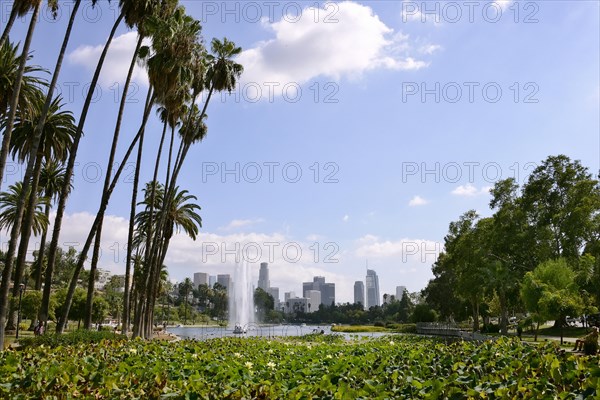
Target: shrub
<point>490,328</point>
<point>72,338</point>
<point>590,347</point>
<point>379,323</point>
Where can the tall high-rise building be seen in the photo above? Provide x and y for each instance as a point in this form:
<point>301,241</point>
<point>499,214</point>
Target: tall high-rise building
<point>399,292</point>
<point>328,294</point>
<point>372,287</point>
<point>212,279</point>
<point>359,293</point>
<point>263,277</point>
<point>225,280</point>
<point>327,290</point>
<point>200,278</point>
<point>274,291</point>
<point>314,300</point>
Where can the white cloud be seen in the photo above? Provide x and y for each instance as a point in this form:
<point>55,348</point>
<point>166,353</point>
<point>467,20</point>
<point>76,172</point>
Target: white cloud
<point>117,62</point>
<point>417,201</point>
<point>358,42</point>
<point>469,190</point>
<point>430,48</point>
<point>503,4</point>
<point>346,218</point>
<point>241,223</point>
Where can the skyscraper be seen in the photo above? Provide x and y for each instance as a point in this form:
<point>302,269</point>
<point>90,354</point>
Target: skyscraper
<point>327,290</point>
<point>200,278</point>
<point>399,292</point>
<point>359,293</point>
<point>372,286</point>
<point>225,280</point>
<point>263,277</point>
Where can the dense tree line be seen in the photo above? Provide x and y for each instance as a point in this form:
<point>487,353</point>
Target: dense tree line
<point>41,134</point>
<point>538,253</point>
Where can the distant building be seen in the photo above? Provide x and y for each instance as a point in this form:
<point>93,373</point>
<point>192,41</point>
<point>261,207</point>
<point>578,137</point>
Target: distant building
<point>359,293</point>
<point>263,277</point>
<point>225,280</point>
<point>399,292</point>
<point>200,278</point>
<point>296,304</point>
<point>327,290</point>
<point>328,294</point>
<point>314,300</point>
<point>372,288</point>
<point>274,291</point>
<point>289,295</point>
<point>212,280</point>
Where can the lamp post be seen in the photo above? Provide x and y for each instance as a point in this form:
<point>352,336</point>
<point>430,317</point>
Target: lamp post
<point>21,290</point>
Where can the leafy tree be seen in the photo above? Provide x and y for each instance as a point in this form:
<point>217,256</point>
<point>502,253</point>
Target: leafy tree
<point>423,313</point>
<point>30,304</point>
<point>263,302</point>
<point>560,199</point>
<point>405,308</point>
<point>550,292</point>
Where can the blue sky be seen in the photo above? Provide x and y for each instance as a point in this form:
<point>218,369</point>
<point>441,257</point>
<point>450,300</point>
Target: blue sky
<point>398,115</point>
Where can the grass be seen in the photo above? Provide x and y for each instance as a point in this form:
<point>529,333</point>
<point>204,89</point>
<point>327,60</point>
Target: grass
<point>359,328</point>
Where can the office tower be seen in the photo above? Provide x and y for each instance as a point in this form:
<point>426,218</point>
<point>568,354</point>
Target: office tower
<point>224,280</point>
<point>359,293</point>
<point>327,289</point>
<point>372,287</point>
<point>274,291</point>
<point>289,295</point>
<point>212,279</point>
<point>263,277</point>
<point>314,300</point>
<point>328,294</point>
<point>200,278</point>
<point>399,292</point>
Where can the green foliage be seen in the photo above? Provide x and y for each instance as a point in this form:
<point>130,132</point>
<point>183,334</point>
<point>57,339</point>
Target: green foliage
<point>550,290</point>
<point>263,302</point>
<point>316,366</point>
<point>30,304</point>
<point>77,337</point>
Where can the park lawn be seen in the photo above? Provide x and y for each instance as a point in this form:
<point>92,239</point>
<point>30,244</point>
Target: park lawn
<point>316,366</point>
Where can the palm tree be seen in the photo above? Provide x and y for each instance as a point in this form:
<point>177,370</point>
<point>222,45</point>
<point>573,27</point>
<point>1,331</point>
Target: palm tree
<point>57,135</point>
<point>8,206</point>
<point>71,161</point>
<point>136,14</point>
<point>37,137</point>
<point>181,215</point>
<point>10,61</point>
<point>19,9</point>
<point>12,113</point>
<point>186,287</point>
<point>51,180</point>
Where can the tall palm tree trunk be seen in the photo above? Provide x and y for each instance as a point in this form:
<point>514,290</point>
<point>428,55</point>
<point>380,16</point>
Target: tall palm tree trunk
<point>136,179</point>
<point>8,265</point>
<point>69,172</point>
<point>40,261</point>
<point>150,275</point>
<point>89,301</point>
<point>9,24</point>
<point>15,95</point>
<point>104,203</point>
<point>37,138</point>
<point>24,242</point>
<point>111,158</point>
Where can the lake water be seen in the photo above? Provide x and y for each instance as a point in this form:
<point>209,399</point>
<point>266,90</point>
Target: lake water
<point>202,333</point>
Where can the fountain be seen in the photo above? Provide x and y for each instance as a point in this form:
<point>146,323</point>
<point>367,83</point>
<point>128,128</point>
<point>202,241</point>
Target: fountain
<point>241,298</point>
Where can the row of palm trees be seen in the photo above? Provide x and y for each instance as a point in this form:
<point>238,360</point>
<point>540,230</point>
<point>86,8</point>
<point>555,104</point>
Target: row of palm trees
<point>39,133</point>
